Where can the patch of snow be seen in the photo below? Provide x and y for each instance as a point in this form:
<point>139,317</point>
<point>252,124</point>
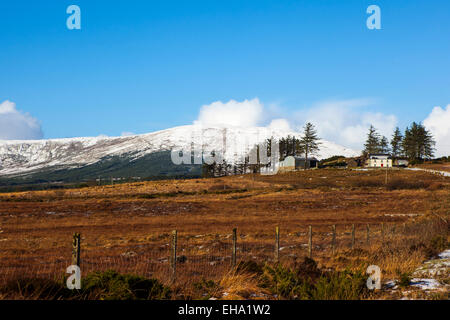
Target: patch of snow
<point>444,173</point>
<point>425,284</point>
<point>445,254</point>
<point>425,276</point>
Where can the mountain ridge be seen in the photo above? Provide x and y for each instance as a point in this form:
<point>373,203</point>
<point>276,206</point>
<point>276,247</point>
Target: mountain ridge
<point>22,157</point>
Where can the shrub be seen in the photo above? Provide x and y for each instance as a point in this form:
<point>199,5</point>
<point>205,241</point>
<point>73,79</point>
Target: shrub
<point>308,282</point>
<point>205,289</point>
<point>439,243</point>
<point>340,286</point>
<point>396,184</point>
<point>367,182</point>
<point>283,282</point>
<point>404,279</point>
<point>37,288</point>
<point>111,285</point>
<point>308,269</point>
<point>249,267</point>
<point>98,285</point>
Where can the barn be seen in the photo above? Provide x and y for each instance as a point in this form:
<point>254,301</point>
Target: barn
<point>291,163</point>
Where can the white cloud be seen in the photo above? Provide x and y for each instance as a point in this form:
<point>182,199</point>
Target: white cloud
<point>127,134</point>
<point>346,122</point>
<point>247,113</point>
<point>438,122</point>
<point>280,124</point>
<point>15,124</point>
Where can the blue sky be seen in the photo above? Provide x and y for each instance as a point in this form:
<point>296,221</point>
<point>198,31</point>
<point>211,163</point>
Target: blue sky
<point>140,66</point>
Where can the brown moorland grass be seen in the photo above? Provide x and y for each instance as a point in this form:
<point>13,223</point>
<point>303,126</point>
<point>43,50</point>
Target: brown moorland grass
<point>127,226</point>
<point>444,166</point>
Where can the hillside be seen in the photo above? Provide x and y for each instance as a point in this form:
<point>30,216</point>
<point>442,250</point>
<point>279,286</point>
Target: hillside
<point>78,159</point>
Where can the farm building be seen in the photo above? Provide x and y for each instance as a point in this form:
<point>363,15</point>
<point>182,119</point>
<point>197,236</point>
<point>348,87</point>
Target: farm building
<point>401,163</point>
<point>379,160</point>
<point>291,163</point>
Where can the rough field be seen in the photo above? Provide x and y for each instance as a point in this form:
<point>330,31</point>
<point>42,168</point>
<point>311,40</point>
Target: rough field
<point>436,166</point>
<point>127,227</point>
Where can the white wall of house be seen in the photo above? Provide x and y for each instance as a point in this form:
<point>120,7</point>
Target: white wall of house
<point>380,163</point>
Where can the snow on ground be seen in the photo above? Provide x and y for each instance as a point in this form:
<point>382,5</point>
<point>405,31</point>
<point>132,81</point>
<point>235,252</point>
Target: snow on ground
<point>428,278</point>
<point>444,173</point>
<point>21,156</point>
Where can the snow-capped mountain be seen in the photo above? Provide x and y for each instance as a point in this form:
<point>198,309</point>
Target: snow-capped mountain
<point>29,156</point>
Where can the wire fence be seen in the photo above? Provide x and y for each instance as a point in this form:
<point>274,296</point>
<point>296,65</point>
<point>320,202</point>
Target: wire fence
<point>198,256</point>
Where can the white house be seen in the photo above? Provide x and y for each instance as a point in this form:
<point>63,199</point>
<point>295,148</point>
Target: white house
<point>379,160</point>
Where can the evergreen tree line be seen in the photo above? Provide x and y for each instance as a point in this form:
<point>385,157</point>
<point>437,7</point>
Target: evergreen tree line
<point>416,143</point>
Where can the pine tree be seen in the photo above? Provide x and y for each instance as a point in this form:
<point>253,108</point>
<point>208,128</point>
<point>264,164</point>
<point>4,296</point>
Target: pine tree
<point>418,143</point>
<point>429,145</point>
<point>309,142</point>
<point>372,144</point>
<point>396,143</point>
<point>289,146</point>
<point>384,145</point>
<point>408,145</point>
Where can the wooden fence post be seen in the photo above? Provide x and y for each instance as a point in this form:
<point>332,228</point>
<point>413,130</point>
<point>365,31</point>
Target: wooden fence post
<point>233,250</point>
<point>310,242</point>
<point>353,236</point>
<point>368,234</point>
<point>76,249</point>
<point>277,244</point>
<point>173,256</point>
<point>333,239</point>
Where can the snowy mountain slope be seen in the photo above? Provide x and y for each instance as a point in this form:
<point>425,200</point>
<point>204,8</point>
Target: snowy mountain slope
<point>22,157</point>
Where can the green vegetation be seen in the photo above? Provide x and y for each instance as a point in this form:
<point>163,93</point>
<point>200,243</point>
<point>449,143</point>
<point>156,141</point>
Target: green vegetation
<point>309,142</point>
<point>307,282</point>
<point>404,279</point>
<point>416,144</point>
<point>205,289</point>
<point>111,285</point>
<point>374,143</point>
<point>153,166</point>
<point>108,285</point>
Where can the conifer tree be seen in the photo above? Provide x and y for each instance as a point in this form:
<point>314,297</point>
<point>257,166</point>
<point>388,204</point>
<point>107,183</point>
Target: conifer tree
<point>396,142</point>
<point>384,145</point>
<point>309,141</point>
<point>372,144</point>
<point>418,143</point>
